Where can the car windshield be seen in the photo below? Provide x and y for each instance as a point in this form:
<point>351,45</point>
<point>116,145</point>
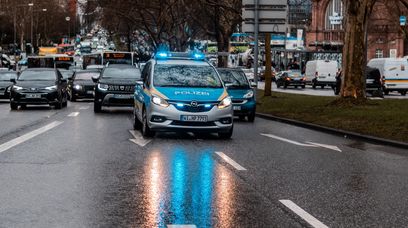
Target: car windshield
<point>7,76</point>
<point>66,73</point>
<point>186,76</point>
<point>37,76</point>
<point>237,79</point>
<point>121,73</point>
<point>294,74</point>
<point>86,75</point>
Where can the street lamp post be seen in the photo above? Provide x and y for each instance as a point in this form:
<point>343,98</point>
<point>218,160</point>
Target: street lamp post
<point>68,19</point>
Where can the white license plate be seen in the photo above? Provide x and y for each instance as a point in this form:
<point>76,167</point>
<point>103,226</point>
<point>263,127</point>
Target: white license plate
<point>237,108</point>
<point>194,118</point>
<point>33,96</point>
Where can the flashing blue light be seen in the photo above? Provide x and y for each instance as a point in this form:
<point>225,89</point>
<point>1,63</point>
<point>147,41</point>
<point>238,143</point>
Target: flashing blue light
<point>207,106</point>
<point>180,105</point>
<point>199,56</point>
<point>162,55</point>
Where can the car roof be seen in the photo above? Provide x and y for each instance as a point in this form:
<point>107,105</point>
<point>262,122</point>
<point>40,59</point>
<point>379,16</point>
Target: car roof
<point>185,62</point>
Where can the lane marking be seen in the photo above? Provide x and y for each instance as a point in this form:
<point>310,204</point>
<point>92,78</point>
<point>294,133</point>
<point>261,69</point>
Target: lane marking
<point>303,214</point>
<point>230,161</point>
<point>288,140</point>
<point>10,144</point>
<point>181,226</point>
<point>330,147</point>
<point>138,138</point>
<point>84,108</point>
<point>74,114</point>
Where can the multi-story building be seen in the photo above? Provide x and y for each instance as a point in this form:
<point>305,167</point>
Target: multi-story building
<point>325,33</point>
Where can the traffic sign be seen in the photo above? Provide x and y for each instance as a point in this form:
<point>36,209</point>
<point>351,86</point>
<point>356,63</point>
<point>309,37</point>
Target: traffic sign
<point>272,16</point>
<point>403,20</point>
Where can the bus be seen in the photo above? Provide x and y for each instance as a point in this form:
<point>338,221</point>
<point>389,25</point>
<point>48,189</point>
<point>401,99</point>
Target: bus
<point>91,59</point>
<point>117,58</point>
<point>43,51</point>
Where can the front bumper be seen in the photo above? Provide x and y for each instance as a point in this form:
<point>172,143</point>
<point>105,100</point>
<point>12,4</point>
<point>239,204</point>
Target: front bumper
<point>243,107</point>
<point>172,119</point>
<point>114,99</point>
<point>83,93</point>
<point>42,97</point>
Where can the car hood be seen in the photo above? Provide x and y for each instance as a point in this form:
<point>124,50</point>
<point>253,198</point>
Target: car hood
<point>35,84</point>
<point>5,84</point>
<point>238,93</point>
<point>192,94</point>
<point>118,81</point>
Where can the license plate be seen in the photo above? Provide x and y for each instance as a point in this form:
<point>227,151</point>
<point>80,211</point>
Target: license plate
<point>123,96</point>
<point>194,118</point>
<point>33,96</point>
<point>237,108</point>
<point>322,77</point>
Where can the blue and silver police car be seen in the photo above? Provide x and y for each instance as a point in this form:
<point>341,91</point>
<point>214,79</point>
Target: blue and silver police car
<point>182,92</point>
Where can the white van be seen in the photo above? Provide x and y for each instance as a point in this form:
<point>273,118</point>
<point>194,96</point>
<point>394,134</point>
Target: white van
<point>394,72</point>
<point>321,73</point>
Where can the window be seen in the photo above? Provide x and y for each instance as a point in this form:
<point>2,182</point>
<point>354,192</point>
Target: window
<point>379,53</point>
<point>334,15</point>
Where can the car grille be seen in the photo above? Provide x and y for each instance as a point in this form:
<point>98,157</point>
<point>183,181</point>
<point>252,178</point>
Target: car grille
<point>238,101</point>
<point>121,88</point>
<point>193,124</point>
<point>2,89</point>
<point>87,88</point>
<point>188,107</point>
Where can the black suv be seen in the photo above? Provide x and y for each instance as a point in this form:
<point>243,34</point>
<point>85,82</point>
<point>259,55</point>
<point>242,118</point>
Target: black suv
<point>39,86</point>
<point>374,84</point>
<point>115,86</point>
<point>81,86</point>
<point>5,83</point>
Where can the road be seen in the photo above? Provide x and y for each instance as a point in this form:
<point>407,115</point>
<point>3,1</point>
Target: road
<point>326,92</point>
<point>74,168</point>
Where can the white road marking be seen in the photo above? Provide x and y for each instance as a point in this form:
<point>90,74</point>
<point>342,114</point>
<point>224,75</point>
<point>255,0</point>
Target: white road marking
<point>10,144</point>
<point>138,138</point>
<point>303,214</point>
<point>84,108</point>
<point>230,161</point>
<point>74,114</point>
<point>330,147</point>
<point>288,140</point>
<point>181,226</point>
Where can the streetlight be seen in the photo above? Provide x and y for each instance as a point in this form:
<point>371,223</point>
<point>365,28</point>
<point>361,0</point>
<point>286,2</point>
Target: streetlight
<point>68,19</point>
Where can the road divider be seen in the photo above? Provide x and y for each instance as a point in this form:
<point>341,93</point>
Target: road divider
<point>230,161</point>
<point>306,144</point>
<point>303,214</point>
<point>10,144</point>
<point>138,138</point>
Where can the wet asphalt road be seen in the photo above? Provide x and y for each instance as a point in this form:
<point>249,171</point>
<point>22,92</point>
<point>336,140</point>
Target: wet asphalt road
<point>83,171</point>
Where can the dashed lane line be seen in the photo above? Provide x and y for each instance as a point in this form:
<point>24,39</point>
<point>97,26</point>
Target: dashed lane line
<point>12,143</point>
<point>74,114</point>
<point>303,214</point>
<point>230,161</point>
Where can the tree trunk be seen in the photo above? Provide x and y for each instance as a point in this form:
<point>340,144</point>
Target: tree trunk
<point>268,66</point>
<point>223,46</point>
<point>354,51</point>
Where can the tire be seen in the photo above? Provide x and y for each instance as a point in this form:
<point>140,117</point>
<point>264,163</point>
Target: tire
<point>386,92</point>
<point>72,98</point>
<point>146,131</point>
<point>285,86</point>
<point>226,135</point>
<point>59,104</point>
<point>303,87</point>
<point>65,103</point>
<point>13,106</point>
<point>403,93</point>
<point>278,85</point>
<point>251,117</point>
<point>97,107</point>
<point>322,87</point>
<point>137,125</point>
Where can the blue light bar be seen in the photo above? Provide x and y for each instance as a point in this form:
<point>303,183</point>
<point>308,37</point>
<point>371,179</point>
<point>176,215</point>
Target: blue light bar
<point>180,105</point>
<point>207,106</point>
<point>162,55</point>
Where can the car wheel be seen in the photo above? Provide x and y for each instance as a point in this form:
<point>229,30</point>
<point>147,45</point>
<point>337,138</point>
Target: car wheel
<point>146,131</point>
<point>72,98</point>
<point>58,105</point>
<point>322,87</point>
<point>137,125</point>
<point>285,86</point>
<point>386,92</point>
<point>278,85</point>
<point>13,106</point>
<point>251,117</point>
<point>303,87</point>
<point>226,135</point>
<point>403,93</point>
<point>97,107</point>
<point>296,87</point>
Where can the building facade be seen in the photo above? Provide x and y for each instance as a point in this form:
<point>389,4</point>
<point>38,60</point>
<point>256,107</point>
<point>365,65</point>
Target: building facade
<point>326,31</point>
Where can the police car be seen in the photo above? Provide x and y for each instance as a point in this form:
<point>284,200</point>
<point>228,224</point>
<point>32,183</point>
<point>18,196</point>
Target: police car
<point>182,92</point>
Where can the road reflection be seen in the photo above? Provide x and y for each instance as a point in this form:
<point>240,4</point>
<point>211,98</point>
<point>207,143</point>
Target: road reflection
<point>187,189</point>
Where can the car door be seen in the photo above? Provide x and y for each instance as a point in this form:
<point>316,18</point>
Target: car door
<point>140,92</point>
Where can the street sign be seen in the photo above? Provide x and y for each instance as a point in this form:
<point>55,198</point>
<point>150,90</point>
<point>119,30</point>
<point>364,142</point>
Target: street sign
<point>403,20</point>
<point>272,16</point>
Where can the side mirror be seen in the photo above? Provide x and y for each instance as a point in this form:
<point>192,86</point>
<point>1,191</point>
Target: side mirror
<point>95,79</point>
<point>253,85</point>
<point>13,80</point>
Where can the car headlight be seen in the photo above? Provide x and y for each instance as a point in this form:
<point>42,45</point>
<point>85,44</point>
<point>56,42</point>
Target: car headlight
<point>17,88</point>
<point>159,101</point>
<point>51,87</point>
<point>103,87</point>
<point>77,87</point>
<point>249,94</point>
<point>225,103</point>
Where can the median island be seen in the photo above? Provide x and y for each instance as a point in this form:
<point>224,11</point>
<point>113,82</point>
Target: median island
<point>386,119</point>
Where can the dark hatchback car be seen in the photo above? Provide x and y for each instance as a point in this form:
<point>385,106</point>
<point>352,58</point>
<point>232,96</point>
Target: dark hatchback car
<point>5,83</point>
<point>81,85</point>
<point>290,78</point>
<point>115,86</point>
<point>374,85</point>
<point>240,91</point>
<point>39,86</point>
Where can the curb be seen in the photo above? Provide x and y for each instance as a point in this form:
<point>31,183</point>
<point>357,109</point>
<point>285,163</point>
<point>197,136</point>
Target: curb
<point>335,131</point>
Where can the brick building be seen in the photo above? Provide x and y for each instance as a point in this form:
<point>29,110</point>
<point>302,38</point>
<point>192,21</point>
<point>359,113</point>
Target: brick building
<point>325,33</point>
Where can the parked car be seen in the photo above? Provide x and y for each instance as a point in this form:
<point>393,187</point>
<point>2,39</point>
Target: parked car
<point>374,84</point>
<point>6,84</point>
<point>241,92</point>
<point>290,78</point>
